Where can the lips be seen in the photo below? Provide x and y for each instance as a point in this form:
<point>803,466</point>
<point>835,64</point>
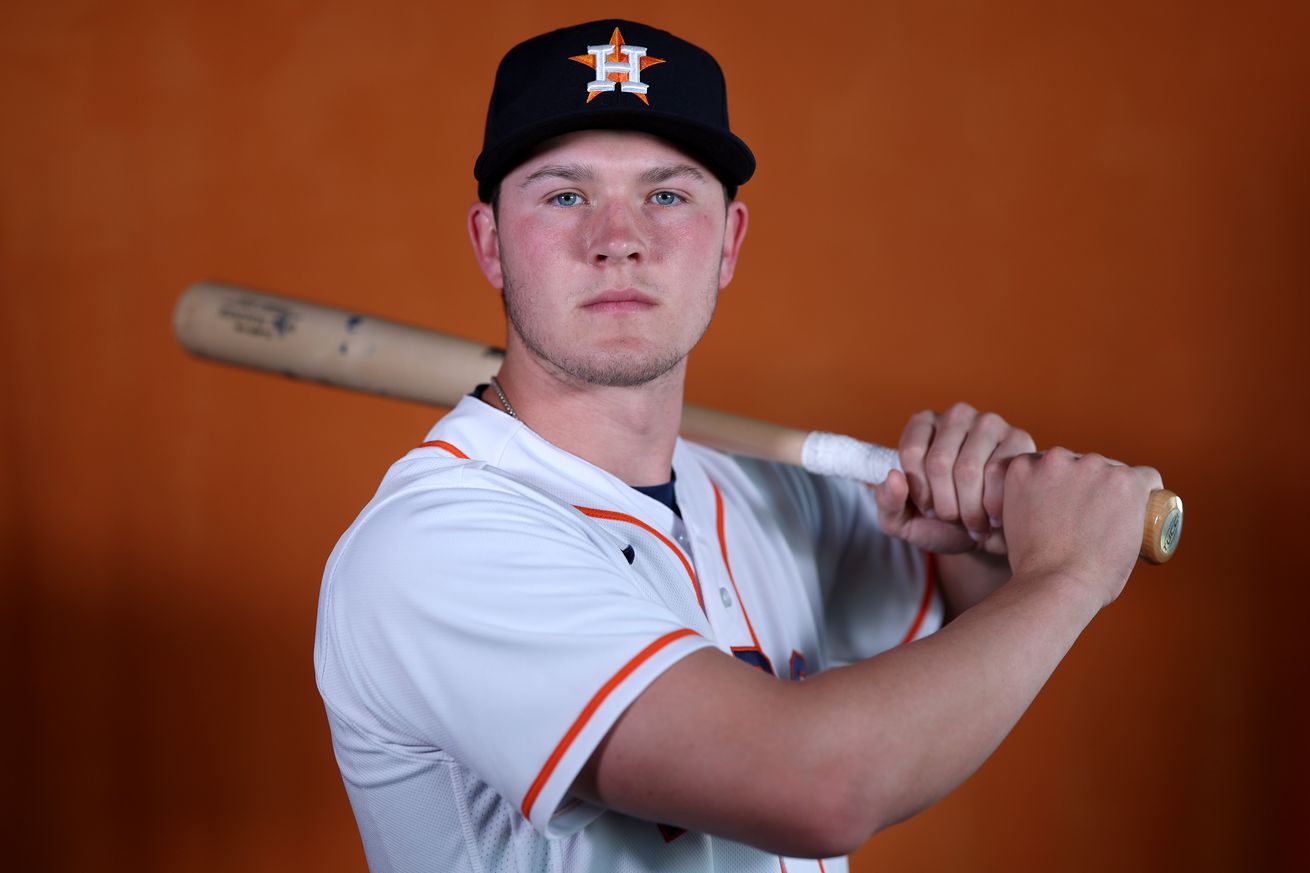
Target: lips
<point>619,300</point>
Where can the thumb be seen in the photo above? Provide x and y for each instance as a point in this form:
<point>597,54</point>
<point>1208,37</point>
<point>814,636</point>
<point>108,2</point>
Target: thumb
<point>891,498</point>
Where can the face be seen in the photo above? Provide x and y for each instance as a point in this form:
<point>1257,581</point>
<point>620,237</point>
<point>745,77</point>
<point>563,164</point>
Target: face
<point>610,248</point>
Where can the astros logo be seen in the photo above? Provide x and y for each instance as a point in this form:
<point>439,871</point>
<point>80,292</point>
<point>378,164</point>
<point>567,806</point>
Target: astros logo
<point>617,66</point>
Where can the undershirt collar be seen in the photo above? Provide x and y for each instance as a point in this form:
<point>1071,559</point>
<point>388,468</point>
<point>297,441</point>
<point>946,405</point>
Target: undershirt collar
<point>663,493</point>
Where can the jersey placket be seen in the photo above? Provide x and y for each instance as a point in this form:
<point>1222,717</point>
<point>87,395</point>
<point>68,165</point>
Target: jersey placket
<point>724,608</point>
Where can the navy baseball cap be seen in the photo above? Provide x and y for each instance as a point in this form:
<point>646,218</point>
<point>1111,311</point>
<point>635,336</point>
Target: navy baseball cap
<point>610,74</point>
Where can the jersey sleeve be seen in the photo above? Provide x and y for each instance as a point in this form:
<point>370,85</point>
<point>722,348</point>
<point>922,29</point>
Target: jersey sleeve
<point>878,591</point>
<point>873,591</point>
<point>498,627</point>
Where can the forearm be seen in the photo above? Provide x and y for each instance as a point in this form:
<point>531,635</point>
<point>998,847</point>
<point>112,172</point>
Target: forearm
<point>867,745</point>
<point>908,726</point>
<point>966,579</point>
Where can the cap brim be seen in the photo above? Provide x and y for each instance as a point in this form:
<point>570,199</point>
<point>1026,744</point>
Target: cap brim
<point>721,152</point>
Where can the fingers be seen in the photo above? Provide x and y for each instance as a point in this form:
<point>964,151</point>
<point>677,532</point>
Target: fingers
<point>980,447</point>
<point>891,499</point>
<point>968,476</point>
<point>897,517</point>
<point>915,440</point>
<point>929,447</point>
<point>939,462</point>
<point>1015,443</point>
<point>1152,477</point>
<point>955,465</point>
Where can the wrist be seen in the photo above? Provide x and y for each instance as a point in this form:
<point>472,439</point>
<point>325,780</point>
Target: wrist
<point>1076,593</point>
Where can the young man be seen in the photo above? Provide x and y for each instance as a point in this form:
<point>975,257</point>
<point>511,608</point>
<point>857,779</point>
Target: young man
<point>561,638</point>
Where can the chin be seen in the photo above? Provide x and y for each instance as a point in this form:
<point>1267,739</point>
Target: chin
<point>622,369</point>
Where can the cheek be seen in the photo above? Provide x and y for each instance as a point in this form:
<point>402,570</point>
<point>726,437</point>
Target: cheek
<point>533,243</point>
<point>696,241</point>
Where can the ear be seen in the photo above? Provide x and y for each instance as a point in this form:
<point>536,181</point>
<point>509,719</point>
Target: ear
<point>486,242</point>
<point>734,233</point>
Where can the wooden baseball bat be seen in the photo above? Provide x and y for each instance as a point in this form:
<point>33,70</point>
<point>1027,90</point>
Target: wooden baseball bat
<point>338,347</point>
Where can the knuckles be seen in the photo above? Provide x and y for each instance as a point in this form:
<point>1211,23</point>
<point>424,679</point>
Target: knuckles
<point>1125,483</point>
<point>912,455</point>
<point>1021,468</point>
<point>960,412</point>
<point>994,470</point>
<point>923,416</point>
<point>938,464</point>
<point>967,468</point>
<point>1062,468</point>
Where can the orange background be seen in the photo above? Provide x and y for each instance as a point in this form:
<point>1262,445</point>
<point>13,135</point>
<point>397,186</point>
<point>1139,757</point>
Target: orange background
<point>1091,217</point>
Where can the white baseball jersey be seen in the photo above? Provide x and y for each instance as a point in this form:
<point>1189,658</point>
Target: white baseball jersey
<point>500,602</point>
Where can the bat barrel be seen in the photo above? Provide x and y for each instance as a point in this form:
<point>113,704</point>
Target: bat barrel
<point>327,344</point>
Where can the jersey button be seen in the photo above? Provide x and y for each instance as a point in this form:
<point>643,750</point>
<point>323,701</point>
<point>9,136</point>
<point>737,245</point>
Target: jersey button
<point>726,598</point>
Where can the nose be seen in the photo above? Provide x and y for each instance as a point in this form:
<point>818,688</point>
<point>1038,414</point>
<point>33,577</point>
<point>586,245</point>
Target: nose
<point>616,236</point>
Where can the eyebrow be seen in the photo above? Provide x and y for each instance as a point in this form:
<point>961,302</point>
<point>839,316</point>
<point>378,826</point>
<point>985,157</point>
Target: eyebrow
<point>568,172</point>
<point>657,175</point>
<point>584,173</point>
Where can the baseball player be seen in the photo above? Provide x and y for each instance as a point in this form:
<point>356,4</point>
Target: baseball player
<point>560,638</point>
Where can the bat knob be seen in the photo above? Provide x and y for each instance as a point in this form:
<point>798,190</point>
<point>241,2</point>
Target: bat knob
<point>1164,525</point>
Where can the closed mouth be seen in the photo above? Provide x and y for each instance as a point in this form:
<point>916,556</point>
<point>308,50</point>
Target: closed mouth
<point>620,300</point>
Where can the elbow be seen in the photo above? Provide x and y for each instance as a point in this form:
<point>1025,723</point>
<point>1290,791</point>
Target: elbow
<point>838,817</point>
<point>831,832</point>
<point>840,835</point>
<point>851,804</point>
<point>856,812</point>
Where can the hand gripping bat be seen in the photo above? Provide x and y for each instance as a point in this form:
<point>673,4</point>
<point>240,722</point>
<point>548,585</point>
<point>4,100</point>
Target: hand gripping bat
<point>307,340</point>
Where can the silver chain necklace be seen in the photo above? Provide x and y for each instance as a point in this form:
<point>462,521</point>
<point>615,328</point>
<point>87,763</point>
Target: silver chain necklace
<point>504,401</point>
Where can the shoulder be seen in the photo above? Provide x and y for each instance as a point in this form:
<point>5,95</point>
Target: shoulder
<point>433,509</point>
<point>447,545</point>
<point>820,501</point>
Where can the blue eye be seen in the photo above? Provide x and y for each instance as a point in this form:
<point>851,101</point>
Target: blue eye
<point>665,198</point>
<point>568,198</point>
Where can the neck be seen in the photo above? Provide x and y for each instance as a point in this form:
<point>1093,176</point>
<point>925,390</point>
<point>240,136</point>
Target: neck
<point>628,432</point>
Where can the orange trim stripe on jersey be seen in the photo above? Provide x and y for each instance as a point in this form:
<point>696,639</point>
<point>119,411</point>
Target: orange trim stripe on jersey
<point>442,444</point>
<point>929,583</point>
<point>723,546</point>
<point>611,515</point>
<point>589,710</point>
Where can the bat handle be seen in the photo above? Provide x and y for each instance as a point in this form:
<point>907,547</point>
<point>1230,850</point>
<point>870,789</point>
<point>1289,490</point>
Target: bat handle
<point>1163,526</point>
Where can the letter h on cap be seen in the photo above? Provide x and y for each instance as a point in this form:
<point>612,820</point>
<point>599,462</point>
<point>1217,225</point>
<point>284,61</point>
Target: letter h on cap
<point>632,67</point>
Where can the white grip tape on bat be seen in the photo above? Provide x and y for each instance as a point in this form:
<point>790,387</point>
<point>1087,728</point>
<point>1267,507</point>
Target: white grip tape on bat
<point>831,454</point>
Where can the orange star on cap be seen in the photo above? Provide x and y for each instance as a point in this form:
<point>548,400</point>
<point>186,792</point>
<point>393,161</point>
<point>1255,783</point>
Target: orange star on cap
<point>616,57</point>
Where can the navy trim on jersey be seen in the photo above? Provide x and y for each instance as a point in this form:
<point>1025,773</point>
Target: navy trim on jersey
<point>663,493</point>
